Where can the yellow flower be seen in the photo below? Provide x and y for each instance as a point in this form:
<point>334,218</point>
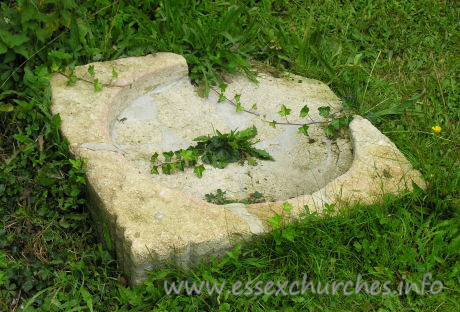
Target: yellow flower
<point>436,129</point>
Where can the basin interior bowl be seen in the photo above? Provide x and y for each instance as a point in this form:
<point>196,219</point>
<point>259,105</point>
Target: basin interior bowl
<point>168,118</point>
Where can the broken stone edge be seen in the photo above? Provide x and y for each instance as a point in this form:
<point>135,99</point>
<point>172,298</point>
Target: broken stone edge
<point>147,223</point>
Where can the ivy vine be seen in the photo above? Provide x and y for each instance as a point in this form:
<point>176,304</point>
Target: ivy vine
<point>331,124</point>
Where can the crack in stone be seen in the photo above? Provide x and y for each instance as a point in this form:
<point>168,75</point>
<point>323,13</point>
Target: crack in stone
<point>96,146</point>
<point>239,210</point>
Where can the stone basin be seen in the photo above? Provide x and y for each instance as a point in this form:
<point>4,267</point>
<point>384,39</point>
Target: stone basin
<point>152,107</point>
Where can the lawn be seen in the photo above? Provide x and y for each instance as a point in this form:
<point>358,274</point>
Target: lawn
<point>394,62</point>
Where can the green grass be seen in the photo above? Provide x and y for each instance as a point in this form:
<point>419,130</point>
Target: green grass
<point>394,62</point>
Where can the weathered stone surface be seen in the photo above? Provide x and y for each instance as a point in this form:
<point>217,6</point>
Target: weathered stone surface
<point>171,116</point>
<point>152,106</point>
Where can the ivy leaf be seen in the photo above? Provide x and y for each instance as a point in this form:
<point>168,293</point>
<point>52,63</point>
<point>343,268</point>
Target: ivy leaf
<point>222,97</point>
<point>345,121</point>
<point>272,124</point>
<point>72,65</point>
<point>54,67</point>
<point>289,234</point>
<point>237,97</point>
<point>166,169</point>
<point>168,156</point>
<point>329,131</point>
<point>335,124</point>
<point>199,171</point>
<point>72,80</point>
<point>324,111</point>
<point>189,154</point>
<point>254,106</point>
<point>114,73</point>
<point>304,111</point>
<point>178,154</point>
<point>287,206</point>
<point>97,85</point>
<point>154,170</point>
<point>222,87</point>
<point>154,157</point>
<point>284,111</point>
<point>256,195</point>
<point>91,70</point>
<point>239,108</point>
<point>304,130</point>
<point>275,221</point>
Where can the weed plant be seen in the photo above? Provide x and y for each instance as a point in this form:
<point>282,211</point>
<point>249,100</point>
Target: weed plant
<point>218,150</point>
